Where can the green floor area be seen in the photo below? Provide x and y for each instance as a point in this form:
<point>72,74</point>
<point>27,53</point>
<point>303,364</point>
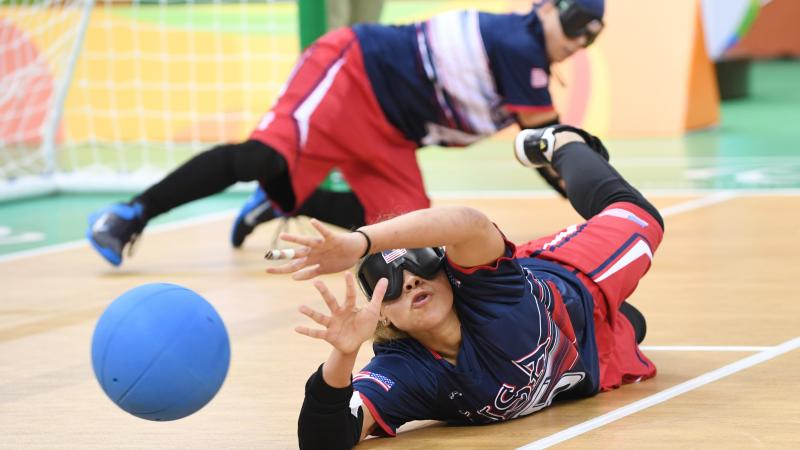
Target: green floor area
<point>755,147</point>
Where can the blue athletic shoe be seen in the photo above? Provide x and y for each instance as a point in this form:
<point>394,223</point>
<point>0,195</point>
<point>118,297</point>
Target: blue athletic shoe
<point>114,227</point>
<point>257,209</point>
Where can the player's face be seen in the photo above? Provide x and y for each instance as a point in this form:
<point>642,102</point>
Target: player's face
<point>559,46</point>
<point>423,305</point>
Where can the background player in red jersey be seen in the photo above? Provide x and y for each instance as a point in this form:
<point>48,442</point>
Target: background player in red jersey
<point>364,99</point>
<point>485,330</point>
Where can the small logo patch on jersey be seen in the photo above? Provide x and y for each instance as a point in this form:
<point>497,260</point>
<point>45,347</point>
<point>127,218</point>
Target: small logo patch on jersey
<point>539,78</point>
<point>381,380</point>
<point>391,255</point>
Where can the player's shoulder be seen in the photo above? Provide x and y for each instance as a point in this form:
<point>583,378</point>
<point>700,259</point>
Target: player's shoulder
<point>513,34</point>
<point>402,361</point>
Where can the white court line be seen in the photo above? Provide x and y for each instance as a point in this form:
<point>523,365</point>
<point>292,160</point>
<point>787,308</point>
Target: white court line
<point>665,395</point>
<point>83,242</point>
<point>714,197</point>
<point>703,348</point>
<point>701,202</point>
<point>648,193</point>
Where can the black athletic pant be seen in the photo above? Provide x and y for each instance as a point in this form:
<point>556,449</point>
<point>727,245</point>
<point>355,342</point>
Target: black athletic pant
<point>217,169</point>
<point>592,184</point>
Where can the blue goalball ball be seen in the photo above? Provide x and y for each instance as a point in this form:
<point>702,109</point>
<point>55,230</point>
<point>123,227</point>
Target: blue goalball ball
<point>160,351</point>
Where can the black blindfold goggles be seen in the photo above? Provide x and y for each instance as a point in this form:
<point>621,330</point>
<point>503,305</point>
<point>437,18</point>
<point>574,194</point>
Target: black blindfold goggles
<point>577,21</point>
<point>389,264</point>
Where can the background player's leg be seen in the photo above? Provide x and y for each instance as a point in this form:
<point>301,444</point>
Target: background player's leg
<point>338,208</point>
<point>114,227</point>
<point>211,172</point>
<point>592,184</point>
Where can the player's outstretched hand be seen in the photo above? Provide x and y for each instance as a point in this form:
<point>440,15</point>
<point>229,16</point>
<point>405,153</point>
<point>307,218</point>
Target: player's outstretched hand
<point>347,326</point>
<point>327,253</point>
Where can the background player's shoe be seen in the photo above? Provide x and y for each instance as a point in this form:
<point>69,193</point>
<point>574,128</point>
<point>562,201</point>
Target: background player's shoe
<point>114,227</point>
<point>534,147</point>
<point>257,209</point>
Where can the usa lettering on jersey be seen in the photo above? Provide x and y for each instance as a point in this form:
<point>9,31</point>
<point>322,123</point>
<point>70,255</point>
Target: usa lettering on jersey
<point>548,370</point>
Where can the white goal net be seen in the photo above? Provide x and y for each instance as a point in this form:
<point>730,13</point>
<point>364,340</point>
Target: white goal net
<point>111,94</point>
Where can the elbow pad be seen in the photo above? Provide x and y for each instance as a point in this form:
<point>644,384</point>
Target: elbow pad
<point>326,421</point>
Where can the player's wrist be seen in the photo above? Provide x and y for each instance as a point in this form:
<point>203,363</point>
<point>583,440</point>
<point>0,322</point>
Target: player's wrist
<point>367,242</point>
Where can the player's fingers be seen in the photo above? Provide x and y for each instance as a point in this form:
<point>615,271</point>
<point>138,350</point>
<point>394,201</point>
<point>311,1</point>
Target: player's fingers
<point>377,295</point>
<point>315,315</point>
<point>290,267</point>
<point>326,294</point>
<point>321,229</point>
<point>278,254</point>
<point>308,241</point>
<point>312,333</point>
<point>306,273</point>
<point>350,291</point>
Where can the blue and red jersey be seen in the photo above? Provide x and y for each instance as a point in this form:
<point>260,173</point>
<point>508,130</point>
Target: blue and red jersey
<point>459,76</point>
<point>520,348</point>
<point>542,321</point>
<point>365,99</point>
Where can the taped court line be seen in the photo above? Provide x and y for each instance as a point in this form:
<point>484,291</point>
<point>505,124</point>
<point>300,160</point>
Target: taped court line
<point>694,383</point>
<point>709,199</point>
<point>160,228</point>
<point>703,348</point>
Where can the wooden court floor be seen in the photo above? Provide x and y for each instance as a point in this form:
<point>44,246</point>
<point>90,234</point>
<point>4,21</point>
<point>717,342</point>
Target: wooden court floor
<point>722,302</point>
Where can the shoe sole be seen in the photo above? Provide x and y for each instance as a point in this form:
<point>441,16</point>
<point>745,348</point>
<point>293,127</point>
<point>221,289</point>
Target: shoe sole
<point>106,253</point>
<point>519,149</point>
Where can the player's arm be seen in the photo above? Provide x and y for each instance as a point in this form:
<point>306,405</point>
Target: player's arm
<point>537,119</point>
<point>470,237</point>
<point>326,420</point>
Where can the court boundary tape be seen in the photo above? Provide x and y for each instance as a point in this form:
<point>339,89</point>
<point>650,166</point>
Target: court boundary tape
<point>655,399</point>
<point>703,348</point>
<point>211,217</point>
<point>708,198</point>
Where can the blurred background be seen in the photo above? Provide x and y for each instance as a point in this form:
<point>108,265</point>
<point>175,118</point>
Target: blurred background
<point>98,99</point>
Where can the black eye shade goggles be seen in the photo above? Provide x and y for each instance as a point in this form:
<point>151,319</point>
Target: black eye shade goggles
<point>389,264</point>
<point>577,20</point>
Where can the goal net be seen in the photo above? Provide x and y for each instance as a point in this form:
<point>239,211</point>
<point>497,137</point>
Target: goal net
<point>109,94</point>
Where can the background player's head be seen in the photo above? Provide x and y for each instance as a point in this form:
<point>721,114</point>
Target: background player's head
<point>569,25</point>
<point>419,296</point>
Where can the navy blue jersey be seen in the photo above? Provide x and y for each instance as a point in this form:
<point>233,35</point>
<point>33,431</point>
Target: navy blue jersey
<point>520,349</point>
<point>459,76</point>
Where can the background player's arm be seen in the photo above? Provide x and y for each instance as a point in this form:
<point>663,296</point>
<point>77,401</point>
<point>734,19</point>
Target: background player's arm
<point>536,119</point>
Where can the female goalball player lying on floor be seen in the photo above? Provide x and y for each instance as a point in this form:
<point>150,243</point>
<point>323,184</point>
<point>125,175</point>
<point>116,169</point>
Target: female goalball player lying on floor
<point>485,330</point>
